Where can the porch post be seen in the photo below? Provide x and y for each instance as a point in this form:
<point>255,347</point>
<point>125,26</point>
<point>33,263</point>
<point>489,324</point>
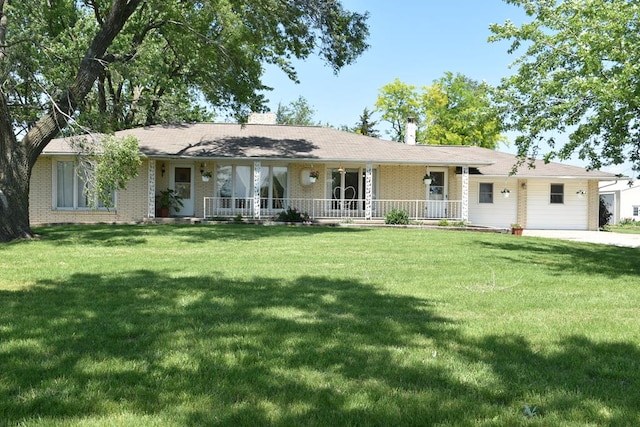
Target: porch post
<point>257,171</point>
<point>368,191</point>
<point>465,193</point>
<point>151,188</point>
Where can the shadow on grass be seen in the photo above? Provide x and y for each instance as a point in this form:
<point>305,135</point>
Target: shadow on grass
<point>567,258</point>
<point>209,349</point>
<point>315,351</point>
<point>131,235</point>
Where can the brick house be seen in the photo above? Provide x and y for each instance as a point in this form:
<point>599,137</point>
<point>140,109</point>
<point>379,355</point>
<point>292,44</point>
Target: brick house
<point>259,169</point>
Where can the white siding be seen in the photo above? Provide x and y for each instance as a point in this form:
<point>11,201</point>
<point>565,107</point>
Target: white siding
<point>502,212</point>
<point>570,215</point>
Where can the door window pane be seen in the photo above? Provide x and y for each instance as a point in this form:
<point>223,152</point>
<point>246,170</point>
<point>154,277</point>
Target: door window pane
<point>436,189</point>
<point>183,182</point>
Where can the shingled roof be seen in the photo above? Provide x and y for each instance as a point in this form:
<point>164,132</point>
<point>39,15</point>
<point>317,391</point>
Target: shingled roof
<point>213,141</point>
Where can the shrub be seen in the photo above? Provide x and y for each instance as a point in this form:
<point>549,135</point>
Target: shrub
<point>292,215</point>
<point>443,223</point>
<point>397,217</point>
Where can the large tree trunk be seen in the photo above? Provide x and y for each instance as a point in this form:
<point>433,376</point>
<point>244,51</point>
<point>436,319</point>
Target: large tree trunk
<point>18,157</point>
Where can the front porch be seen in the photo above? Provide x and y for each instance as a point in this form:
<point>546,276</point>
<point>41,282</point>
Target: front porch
<point>317,209</point>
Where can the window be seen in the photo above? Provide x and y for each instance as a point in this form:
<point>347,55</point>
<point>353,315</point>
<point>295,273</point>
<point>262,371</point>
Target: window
<point>70,189</point>
<point>273,187</point>
<point>636,210</point>
<point>557,193</point>
<point>234,186</point>
<point>486,192</point>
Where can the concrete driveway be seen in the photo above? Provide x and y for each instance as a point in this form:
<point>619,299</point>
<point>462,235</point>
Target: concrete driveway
<point>602,237</point>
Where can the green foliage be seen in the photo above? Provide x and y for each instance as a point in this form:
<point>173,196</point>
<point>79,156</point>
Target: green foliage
<point>169,199</point>
<point>397,101</point>
<point>292,215</point>
<point>443,223</point>
<point>459,111</point>
<point>298,113</point>
<point>455,110</point>
<point>366,125</point>
<point>577,75</point>
<point>396,217</point>
<point>116,165</point>
<point>169,56</point>
<point>629,222</point>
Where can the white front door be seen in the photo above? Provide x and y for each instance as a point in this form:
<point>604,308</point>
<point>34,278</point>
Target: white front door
<point>183,182</point>
<point>437,205</point>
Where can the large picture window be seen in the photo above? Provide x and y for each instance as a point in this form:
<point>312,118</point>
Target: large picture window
<point>70,192</point>
<point>234,186</point>
<point>486,192</point>
<point>557,193</point>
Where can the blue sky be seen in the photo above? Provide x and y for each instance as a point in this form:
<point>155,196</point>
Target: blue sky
<point>416,41</point>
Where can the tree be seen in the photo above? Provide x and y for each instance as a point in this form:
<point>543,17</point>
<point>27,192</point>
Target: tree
<point>578,76</point>
<point>366,125</point>
<point>397,101</point>
<point>65,62</point>
<point>459,111</point>
<point>298,113</point>
<point>455,110</point>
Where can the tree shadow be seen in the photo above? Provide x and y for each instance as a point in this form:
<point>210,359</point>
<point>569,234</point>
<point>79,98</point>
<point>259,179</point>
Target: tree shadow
<point>581,380</point>
<point>133,235</point>
<point>215,350</point>
<point>568,258</point>
<point>149,343</point>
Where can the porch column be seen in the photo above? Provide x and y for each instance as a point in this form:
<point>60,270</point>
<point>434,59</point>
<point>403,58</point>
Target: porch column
<point>257,172</point>
<point>151,188</point>
<point>368,191</point>
<point>465,193</point>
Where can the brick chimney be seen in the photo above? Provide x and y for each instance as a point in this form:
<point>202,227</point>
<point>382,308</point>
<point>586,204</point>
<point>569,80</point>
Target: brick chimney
<point>410,131</point>
<point>262,119</point>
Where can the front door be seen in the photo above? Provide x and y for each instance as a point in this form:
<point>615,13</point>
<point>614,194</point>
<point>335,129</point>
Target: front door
<point>182,178</point>
<point>437,206</point>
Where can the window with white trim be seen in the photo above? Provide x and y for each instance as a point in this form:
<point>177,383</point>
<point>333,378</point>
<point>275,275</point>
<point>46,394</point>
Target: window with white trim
<point>485,194</point>
<point>636,210</point>
<point>557,194</point>
<point>69,189</point>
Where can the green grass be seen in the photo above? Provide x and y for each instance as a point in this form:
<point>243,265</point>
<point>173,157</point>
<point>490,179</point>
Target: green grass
<point>287,326</point>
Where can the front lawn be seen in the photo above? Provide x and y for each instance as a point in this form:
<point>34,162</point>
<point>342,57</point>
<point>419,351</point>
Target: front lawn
<point>249,325</point>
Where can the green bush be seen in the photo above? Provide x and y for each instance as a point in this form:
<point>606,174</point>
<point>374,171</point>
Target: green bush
<point>397,217</point>
<point>443,223</point>
<point>629,222</point>
<point>292,215</point>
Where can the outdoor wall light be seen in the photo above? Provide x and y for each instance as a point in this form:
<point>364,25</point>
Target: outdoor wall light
<point>506,192</point>
<point>162,169</point>
<point>523,185</point>
<point>581,193</point>
<point>202,168</point>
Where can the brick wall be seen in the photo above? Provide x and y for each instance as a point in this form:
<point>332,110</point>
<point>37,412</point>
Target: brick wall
<point>131,204</point>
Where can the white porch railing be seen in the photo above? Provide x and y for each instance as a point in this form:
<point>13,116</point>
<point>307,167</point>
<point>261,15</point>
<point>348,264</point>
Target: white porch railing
<point>329,208</point>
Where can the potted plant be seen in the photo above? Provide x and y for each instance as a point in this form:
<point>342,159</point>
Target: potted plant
<point>516,229</point>
<point>427,179</point>
<point>168,199</point>
<point>314,175</point>
<point>206,176</point>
